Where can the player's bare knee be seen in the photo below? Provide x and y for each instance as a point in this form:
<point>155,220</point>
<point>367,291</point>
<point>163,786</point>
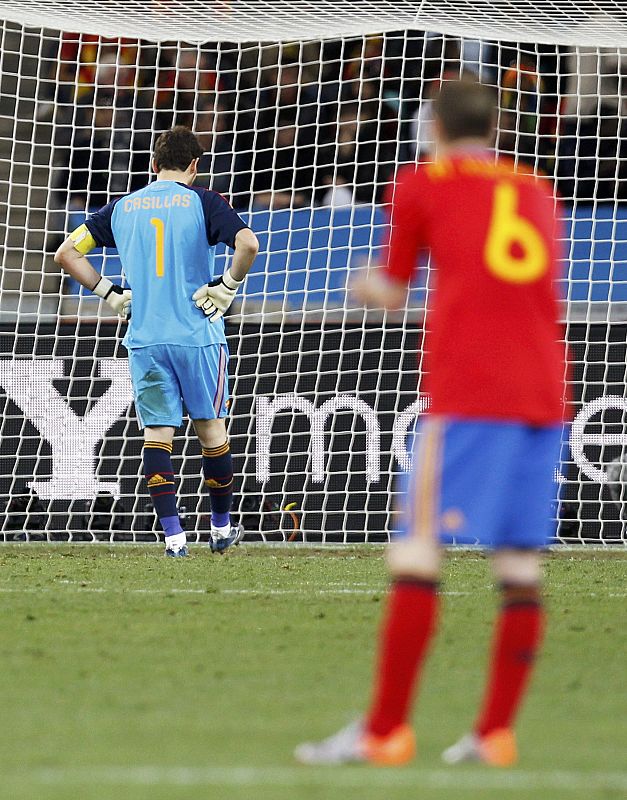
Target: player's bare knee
<point>210,432</point>
<point>159,434</point>
<point>414,558</point>
<point>518,568</point>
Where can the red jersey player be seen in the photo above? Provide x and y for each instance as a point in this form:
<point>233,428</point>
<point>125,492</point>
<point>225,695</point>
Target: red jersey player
<point>486,452</point>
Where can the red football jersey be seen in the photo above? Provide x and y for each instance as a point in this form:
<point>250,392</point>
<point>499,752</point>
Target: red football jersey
<point>493,346</point>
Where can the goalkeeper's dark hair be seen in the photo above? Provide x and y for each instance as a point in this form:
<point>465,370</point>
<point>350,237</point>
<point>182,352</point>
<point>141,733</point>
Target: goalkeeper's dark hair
<point>466,109</point>
<point>177,148</point>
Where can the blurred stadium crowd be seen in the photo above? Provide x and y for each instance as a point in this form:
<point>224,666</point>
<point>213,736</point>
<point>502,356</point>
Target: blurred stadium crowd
<point>322,123</point>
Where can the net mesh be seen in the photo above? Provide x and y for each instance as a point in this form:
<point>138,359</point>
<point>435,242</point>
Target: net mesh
<point>303,137</point>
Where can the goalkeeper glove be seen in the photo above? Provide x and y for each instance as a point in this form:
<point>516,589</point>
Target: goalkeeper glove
<point>118,298</point>
<point>216,296</point>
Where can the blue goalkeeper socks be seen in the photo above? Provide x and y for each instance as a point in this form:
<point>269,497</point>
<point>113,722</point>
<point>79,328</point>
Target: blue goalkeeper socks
<point>161,486</point>
<point>217,467</point>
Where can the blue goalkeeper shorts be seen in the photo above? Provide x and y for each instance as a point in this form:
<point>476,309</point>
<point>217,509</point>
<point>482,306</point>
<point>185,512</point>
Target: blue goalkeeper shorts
<point>166,376</point>
<point>481,482</point>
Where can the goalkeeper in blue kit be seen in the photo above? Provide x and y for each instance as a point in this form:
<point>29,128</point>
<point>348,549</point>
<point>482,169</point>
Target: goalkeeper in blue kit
<point>166,234</point>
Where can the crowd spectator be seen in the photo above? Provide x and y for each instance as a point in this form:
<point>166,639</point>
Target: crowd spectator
<point>359,164</point>
<point>284,93</point>
<point>186,83</point>
<point>595,77</point>
<point>422,142</point>
<point>322,123</point>
<point>520,115</point>
<point>74,66</point>
<point>443,58</point>
<point>591,156</point>
<point>282,166</point>
<point>591,149</point>
<point>110,137</point>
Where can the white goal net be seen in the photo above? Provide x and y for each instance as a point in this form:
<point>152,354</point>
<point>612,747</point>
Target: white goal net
<point>305,111</point>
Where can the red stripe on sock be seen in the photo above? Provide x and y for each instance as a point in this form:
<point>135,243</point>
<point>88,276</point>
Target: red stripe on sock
<point>407,630</point>
<point>517,638</point>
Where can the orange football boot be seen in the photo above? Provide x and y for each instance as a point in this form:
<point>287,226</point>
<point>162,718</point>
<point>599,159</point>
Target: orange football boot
<point>353,745</point>
<point>393,750</point>
<point>497,749</point>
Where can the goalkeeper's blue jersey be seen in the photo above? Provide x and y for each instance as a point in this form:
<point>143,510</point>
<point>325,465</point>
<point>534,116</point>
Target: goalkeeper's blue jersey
<point>166,234</point>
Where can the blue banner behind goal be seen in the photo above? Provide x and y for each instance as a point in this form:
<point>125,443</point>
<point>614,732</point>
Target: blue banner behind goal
<point>306,253</point>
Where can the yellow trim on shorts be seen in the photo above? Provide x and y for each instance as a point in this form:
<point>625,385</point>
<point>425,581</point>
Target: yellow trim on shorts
<point>428,476</point>
<point>83,240</point>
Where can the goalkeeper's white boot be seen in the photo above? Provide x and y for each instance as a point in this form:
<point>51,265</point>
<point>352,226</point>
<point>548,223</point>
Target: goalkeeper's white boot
<point>353,744</point>
<point>223,538</point>
<point>497,749</point>
<point>176,546</point>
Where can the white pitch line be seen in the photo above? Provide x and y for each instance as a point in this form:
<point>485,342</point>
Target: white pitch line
<point>460,779</point>
<point>71,587</point>
<point>77,588</point>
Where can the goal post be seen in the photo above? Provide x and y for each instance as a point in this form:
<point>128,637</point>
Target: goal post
<point>305,112</point>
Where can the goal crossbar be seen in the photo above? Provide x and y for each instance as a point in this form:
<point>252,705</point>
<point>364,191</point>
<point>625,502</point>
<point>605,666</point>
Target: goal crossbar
<point>601,23</point>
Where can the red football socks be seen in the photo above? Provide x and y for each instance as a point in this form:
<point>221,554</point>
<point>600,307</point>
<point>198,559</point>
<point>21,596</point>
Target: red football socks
<point>407,630</point>
<point>517,637</point>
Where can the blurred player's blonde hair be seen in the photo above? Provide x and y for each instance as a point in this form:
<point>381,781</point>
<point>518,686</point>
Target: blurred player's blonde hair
<point>466,109</point>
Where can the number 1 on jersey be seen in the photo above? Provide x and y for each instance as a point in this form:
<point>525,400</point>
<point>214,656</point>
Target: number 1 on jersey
<point>159,243</point>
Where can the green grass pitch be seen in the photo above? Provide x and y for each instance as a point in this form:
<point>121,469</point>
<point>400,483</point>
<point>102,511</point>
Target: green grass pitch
<point>128,675</point>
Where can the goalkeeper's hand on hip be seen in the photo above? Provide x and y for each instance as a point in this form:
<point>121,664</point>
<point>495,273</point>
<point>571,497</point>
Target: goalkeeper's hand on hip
<point>215,297</point>
<point>115,296</point>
